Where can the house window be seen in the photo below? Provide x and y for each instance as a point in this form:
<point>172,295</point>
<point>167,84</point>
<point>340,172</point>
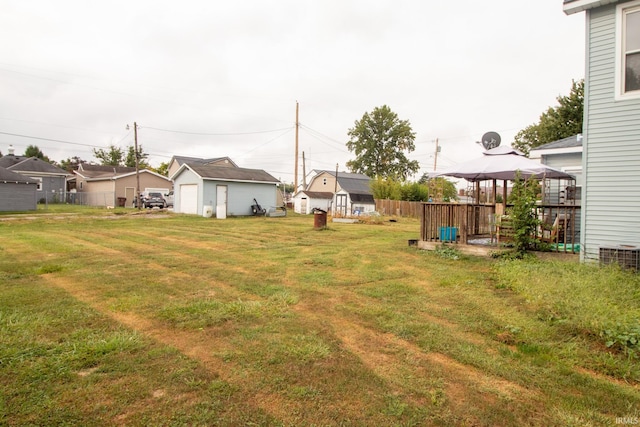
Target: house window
<point>39,179</point>
<point>628,53</point>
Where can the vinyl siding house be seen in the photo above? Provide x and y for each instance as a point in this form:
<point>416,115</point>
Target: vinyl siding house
<point>17,192</point>
<point>611,145</point>
<point>221,190</point>
<point>52,180</point>
<point>565,155</point>
<point>351,195</point>
<point>98,185</point>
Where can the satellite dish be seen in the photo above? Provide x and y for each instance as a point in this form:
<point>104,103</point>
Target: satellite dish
<point>490,140</point>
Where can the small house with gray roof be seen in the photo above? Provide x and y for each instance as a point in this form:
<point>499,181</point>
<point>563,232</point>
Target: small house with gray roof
<point>52,180</point>
<point>565,155</point>
<point>212,189</point>
<point>17,192</point>
<point>101,185</point>
<point>350,194</point>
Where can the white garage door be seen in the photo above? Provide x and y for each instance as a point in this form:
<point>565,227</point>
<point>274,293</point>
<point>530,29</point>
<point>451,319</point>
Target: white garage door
<point>189,199</point>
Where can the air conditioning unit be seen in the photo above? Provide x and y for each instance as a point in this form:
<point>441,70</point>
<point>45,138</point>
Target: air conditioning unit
<point>626,256</point>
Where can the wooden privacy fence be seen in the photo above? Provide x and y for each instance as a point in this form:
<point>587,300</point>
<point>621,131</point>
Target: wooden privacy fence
<point>399,208</point>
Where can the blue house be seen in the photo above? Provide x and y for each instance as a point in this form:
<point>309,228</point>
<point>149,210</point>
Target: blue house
<point>611,145</point>
<point>209,189</point>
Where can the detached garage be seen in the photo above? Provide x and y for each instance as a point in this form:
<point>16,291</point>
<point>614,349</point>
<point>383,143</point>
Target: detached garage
<point>17,192</point>
<point>224,191</point>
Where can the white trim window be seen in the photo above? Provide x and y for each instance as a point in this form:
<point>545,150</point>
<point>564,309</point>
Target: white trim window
<point>628,50</point>
<point>39,179</point>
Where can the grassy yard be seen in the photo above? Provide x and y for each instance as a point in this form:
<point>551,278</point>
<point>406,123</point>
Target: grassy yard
<point>114,318</point>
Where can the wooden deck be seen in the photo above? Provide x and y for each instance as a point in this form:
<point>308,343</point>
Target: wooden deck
<point>485,223</point>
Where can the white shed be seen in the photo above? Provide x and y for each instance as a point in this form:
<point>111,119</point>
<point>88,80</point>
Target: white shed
<point>304,202</point>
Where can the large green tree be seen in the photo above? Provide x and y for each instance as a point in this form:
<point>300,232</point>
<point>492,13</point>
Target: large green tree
<point>34,151</point>
<point>440,189</point>
<point>380,141</point>
<point>115,156</point>
<point>112,156</point>
<point>556,123</point>
<point>131,157</point>
<point>71,163</point>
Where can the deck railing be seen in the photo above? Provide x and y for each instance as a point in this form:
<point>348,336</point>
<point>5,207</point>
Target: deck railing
<point>559,224</point>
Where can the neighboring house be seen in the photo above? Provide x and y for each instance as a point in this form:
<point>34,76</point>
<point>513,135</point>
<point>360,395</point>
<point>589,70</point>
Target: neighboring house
<point>226,191</point>
<point>565,155</point>
<point>17,192</point>
<point>52,181</point>
<point>177,161</point>
<point>98,185</point>
<point>611,130</point>
<point>351,195</point>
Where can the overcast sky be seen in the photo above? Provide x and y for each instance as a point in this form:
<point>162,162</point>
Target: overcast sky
<point>221,78</point>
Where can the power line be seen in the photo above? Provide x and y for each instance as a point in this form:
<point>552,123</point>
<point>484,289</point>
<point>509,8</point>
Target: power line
<point>49,139</point>
<point>216,134</point>
<point>317,135</point>
<point>268,142</point>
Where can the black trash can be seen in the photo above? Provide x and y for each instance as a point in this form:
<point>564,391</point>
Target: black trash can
<point>319,218</point>
<point>122,202</point>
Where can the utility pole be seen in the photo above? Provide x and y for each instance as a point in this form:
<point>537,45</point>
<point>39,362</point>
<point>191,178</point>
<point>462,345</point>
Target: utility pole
<point>295,173</point>
<point>335,192</point>
<point>304,173</point>
<point>135,138</point>
<point>435,157</point>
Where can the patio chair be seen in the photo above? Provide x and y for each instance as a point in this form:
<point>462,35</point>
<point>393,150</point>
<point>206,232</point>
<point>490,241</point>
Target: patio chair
<point>557,229</point>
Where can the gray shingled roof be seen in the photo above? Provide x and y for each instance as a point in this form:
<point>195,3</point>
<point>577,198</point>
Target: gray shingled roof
<point>99,171</point>
<point>224,173</point>
<point>7,176</point>
<point>10,160</point>
<point>352,183</point>
<point>318,194</point>
<point>571,141</point>
<point>181,160</point>
<point>34,164</point>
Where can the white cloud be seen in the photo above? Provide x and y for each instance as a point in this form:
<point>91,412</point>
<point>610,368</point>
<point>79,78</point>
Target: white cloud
<point>79,71</point>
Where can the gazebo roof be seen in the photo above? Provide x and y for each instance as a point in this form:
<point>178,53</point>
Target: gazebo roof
<point>502,163</point>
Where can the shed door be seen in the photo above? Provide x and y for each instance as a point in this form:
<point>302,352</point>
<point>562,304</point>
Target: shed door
<point>189,198</point>
<point>130,194</point>
<point>303,205</point>
<point>341,204</point>
<point>221,198</point>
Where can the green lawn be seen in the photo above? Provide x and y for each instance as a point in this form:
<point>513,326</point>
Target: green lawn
<point>121,318</point>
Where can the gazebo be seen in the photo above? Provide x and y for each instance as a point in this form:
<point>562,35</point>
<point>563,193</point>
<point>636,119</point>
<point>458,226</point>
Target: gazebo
<point>484,221</point>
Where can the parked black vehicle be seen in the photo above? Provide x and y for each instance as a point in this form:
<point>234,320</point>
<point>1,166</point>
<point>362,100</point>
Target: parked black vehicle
<point>153,200</point>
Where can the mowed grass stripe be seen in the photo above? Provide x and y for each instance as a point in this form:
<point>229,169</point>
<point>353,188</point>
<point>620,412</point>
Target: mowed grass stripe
<point>340,326</point>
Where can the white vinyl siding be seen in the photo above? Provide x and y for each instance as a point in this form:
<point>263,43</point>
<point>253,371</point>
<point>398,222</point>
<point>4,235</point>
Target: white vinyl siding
<point>611,157</point>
